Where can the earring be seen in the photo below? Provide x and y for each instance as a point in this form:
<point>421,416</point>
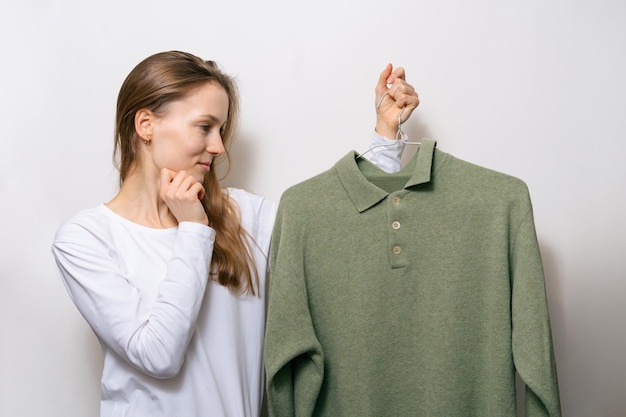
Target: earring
<point>147,141</point>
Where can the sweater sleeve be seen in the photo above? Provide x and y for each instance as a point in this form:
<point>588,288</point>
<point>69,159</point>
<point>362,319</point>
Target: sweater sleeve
<point>153,339</point>
<point>532,341</point>
<point>294,358</point>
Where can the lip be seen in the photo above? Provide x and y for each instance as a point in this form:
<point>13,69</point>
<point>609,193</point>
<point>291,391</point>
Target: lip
<point>205,165</point>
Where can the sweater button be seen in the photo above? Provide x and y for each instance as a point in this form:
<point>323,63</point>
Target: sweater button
<point>395,200</point>
<point>395,225</point>
<point>397,250</point>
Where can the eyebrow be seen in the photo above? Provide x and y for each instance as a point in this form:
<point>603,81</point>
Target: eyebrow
<point>211,118</point>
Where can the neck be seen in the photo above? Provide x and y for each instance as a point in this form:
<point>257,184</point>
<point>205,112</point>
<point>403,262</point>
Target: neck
<point>138,201</point>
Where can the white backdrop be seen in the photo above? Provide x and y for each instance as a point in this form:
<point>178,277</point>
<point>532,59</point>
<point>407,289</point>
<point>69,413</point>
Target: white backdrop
<point>533,88</point>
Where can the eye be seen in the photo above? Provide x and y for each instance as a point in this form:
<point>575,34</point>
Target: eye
<point>208,127</point>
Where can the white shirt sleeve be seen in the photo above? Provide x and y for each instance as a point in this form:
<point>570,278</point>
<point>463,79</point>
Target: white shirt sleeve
<point>153,338</point>
<point>385,153</point>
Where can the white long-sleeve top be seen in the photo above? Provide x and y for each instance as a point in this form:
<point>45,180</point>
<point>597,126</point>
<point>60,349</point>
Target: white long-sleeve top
<point>175,343</point>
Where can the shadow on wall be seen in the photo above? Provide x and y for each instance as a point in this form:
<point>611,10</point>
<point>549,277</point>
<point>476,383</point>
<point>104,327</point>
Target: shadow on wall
<point>554,281</point>
<point>554,294</point>
<point>415,131</point>
<point>243,163</point>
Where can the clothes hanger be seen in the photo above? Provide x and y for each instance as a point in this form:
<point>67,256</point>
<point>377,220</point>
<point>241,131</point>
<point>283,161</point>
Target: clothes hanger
<point>403,136</point>
<point>400,135</point>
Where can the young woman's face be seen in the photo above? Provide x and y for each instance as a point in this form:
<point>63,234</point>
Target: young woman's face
<point>188,136</point>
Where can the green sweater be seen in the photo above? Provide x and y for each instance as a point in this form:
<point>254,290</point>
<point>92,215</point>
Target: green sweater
<point>410,294</point>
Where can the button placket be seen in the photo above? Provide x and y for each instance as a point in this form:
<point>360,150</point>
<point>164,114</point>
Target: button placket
<point>395,237</point>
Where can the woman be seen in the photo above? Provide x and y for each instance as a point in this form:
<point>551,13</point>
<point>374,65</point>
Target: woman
<point>170,274</point>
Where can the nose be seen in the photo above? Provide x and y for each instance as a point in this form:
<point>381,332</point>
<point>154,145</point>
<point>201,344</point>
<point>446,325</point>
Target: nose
<point>215,145</point>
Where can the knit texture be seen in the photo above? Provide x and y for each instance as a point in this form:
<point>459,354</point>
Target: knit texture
<point>414,294</point>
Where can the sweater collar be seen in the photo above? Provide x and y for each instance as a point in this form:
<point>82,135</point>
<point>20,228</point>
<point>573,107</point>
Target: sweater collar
<point>354,175</point>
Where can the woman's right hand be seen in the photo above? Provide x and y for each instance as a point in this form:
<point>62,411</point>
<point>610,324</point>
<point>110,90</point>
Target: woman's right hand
<point>182,194</point>
<point>394,98</point>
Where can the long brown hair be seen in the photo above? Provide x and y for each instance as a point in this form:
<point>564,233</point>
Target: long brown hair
<point>155,82</point>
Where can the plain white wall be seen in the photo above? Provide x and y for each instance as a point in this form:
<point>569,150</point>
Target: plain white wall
<point>532,88</point>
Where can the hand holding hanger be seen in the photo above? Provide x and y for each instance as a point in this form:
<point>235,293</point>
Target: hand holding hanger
<point>395,101</point>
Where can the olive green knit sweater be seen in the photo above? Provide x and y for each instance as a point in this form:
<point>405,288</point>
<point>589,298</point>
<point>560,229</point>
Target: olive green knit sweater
<point>410,294</point>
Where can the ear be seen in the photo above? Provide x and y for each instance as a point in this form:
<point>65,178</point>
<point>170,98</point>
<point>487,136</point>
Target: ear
<point>144,119</point>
